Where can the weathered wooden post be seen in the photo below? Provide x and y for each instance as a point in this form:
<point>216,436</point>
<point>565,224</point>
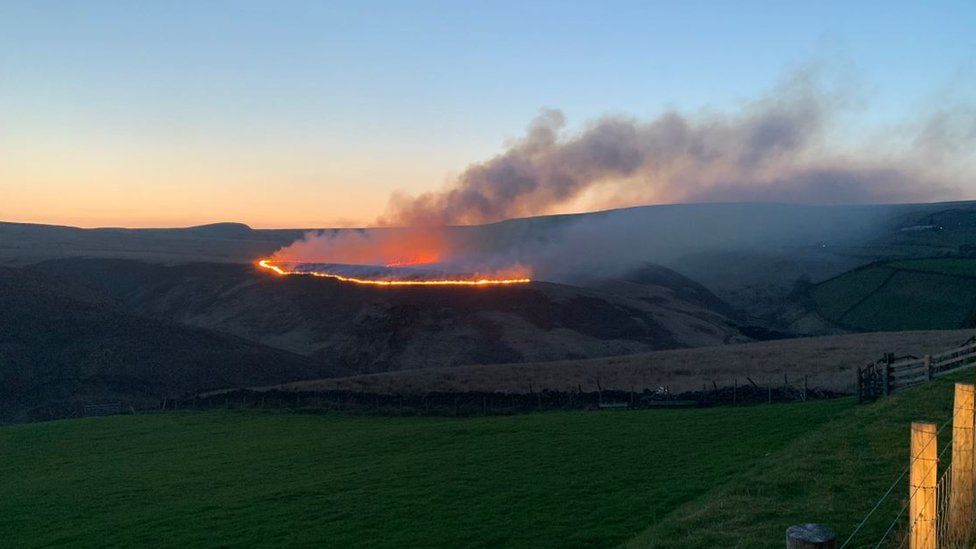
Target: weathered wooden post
<point>886,376</point>
<point>961,495</point>
<point>928,367</point>
<point>923,478</point>
<point>811,536</point>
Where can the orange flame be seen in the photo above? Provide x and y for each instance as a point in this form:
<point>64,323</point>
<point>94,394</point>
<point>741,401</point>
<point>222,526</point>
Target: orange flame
<point>392,248</point>
<point>477,281</point>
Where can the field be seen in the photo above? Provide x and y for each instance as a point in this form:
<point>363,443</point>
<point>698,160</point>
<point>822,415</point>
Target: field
<point>916,294</point>
<point>827,362</point>
<point>834,475</point>
<point>669,478</point>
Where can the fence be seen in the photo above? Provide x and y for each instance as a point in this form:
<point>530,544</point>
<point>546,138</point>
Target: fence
<point>111,408</point>
<point>736,391</point>
<point>939,508</point>
<point>472,403</point>
<point>891,373</point>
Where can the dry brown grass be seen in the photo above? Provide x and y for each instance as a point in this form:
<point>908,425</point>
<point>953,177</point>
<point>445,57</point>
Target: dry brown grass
<point>828,362</point>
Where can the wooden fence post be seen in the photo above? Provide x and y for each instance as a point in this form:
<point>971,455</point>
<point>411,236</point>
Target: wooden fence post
<point>928,366</point>
<point>923,479</point>
<point>961,495</point>
<point>886,375</point>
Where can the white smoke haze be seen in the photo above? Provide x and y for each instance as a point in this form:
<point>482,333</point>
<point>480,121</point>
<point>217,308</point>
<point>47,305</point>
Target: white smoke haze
<point>780,149</point>
<point>578,249</point>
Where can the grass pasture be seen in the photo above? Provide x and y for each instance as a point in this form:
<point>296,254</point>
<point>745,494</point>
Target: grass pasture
<point>834,475</point>
<point>916,294</point>
<point>282,479</point>
<point>722,477</point>
<point>838,295</point>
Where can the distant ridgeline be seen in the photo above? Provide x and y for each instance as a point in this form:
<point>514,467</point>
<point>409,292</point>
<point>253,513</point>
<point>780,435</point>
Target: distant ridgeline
<point>911,294</point>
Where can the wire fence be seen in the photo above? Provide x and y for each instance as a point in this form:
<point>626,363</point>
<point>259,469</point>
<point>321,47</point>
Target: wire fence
<point>938,503</point>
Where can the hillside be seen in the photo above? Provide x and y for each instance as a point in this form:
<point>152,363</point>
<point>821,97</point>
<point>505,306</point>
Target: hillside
<point>720,477</point>
<point>914,294</point>
<point>26,243</point>
<point>827,362</point>
<point>369,329</point>
<point>750,256</point>
<point>63,345</point>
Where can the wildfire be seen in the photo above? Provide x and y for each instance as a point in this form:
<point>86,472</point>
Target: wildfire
<point>475,281</point>
<point>412,261</point>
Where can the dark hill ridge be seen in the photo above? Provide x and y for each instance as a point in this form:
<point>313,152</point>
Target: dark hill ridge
<point>25,243</point>
<point>370,329</point>
<point>750,255</point>
<point>63,344</point>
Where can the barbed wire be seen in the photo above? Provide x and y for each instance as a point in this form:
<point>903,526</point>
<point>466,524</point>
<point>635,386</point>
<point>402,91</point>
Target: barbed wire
<point>888,492</point>
<point>917,488</point>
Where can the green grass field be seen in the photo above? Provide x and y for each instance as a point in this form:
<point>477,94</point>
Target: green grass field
<point>958,266</point>
<point>837,295</point>
<point>833,475</point>
<point>917,294</point>
<point>722,477</point>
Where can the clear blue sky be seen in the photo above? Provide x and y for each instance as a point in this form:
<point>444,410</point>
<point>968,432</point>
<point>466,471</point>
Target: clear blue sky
<point>303,113</point>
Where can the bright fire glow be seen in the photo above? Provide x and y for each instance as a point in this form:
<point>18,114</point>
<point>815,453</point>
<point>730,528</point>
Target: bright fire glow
<point>412,261</point>
<point>476,281</point>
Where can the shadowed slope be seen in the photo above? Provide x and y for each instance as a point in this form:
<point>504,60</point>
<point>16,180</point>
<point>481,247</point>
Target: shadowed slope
<point>62,344</point>
<point>373,329</point>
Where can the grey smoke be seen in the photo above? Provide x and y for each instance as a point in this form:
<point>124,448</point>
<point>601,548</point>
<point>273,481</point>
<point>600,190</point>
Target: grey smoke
<point>780,158</point>
<point>779,148</point>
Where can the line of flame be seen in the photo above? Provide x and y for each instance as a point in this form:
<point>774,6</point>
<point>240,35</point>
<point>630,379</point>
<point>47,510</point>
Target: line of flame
<point>266,264</point>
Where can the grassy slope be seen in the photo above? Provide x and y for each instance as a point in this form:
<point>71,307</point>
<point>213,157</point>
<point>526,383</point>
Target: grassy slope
<point>63,345</point>
<point>913,301</point>
<point>918,294</point>
<point>196,479</point>
<point>959,266</point>
<point>837,295</point>
<point>833,475</point>
<point>731,477</point>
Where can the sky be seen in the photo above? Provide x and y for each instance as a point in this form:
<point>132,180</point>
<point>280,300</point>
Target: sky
<point>311,114</point>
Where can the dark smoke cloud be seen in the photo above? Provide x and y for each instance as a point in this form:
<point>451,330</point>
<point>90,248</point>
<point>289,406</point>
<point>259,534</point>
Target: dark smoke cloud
<point>778,148</point>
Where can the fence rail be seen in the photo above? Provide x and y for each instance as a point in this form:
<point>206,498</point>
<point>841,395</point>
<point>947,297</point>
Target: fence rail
<point>891,373</point>
<point>107,409</point>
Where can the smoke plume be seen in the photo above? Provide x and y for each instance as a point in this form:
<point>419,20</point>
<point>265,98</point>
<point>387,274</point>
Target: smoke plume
<point>781,157</point>
<point>780,148</point>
